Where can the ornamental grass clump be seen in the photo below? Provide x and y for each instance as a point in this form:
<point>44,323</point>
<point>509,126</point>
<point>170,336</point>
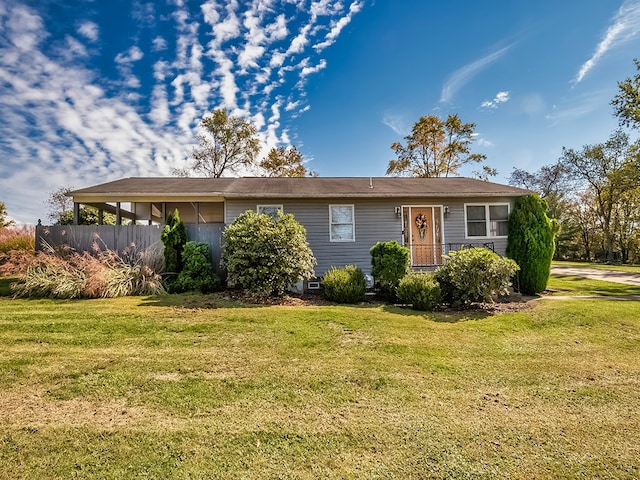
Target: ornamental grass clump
<point>344,285</point>
<point>420,290</point>
<point>17,249</point>
<point>103,274</point>
<point>474,275</point>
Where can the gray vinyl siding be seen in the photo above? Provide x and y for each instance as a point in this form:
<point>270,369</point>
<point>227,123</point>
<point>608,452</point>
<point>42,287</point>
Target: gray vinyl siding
<point>454,223</point>
<point>375,220</point>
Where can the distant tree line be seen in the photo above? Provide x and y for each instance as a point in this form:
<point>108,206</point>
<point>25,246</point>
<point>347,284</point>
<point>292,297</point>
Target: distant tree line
<point>593,193</point>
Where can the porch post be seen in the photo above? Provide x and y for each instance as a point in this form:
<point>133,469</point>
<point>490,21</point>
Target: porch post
<point>164,212</point>
<point>118,214</point>
<point>76,213</point>
<point>197,213</point>
<point>101,217</point>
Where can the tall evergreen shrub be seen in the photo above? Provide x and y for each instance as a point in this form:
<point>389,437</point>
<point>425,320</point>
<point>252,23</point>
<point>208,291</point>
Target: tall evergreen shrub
<point>174,237</point>
<point>531,243</point>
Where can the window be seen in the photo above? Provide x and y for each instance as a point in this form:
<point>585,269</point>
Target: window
<point>487,220</point>
<point>341,223</point>
<point>271,210</point>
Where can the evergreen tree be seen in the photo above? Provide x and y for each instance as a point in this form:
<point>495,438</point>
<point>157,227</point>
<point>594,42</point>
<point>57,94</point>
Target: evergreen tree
<point>531,243</point>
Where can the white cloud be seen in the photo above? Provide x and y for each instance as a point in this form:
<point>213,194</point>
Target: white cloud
<point>501,97</point>
<point>462,76</point>
<point>395,122</point>
<point>159,44</point>
<point>309,70</point>
<point>89,30</point>
<point>338,26</point>
<point>84,125</point>
<point>485,143</point>
<point>132,55</point>
<point>623,27</point>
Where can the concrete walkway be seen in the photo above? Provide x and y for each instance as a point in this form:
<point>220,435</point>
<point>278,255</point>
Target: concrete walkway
<point>597,274</point>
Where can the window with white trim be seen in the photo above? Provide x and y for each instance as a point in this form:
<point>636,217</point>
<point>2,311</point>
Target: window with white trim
<point>342,226</point>
<point>271,210</point>
<point>487,220</point>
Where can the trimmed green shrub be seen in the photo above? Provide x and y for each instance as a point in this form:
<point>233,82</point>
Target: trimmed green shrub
<point>389,263</point>
<point>474,275</point>
<point>531,243</point>
<point>421,290</point>
<point>344,285</point>
<point>197,271</point>
<point>173,236</point>
<point>265,254</point>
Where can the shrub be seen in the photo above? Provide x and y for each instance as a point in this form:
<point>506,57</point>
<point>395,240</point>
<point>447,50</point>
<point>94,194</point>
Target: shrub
<point>74,275</point>
<point>265,254</point>
<point>197,271</point>
<point>531,243</point>
<point>474,275</point>
<point>421,290</point>
<point>389,263</point>
<point>173,236</point>
<point>344,285</point>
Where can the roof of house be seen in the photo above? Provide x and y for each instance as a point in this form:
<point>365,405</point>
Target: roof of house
<point>307,187</point>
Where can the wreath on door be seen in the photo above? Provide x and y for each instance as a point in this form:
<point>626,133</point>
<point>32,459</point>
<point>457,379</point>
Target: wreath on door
<point>422,223</point>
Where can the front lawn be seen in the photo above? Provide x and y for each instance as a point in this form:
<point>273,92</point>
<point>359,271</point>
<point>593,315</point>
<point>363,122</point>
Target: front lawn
<point>599,266</point>
<point>150,388</point>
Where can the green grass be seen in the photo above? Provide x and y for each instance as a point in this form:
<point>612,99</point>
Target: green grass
<point>571,285</point>
<point>194,387</point>
<point>600,266</point>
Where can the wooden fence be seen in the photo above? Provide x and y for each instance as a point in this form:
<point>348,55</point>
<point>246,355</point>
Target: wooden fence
<point>124,238</point>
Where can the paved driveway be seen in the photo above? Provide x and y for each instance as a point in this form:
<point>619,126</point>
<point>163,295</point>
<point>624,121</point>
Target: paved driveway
<point>597,274</point>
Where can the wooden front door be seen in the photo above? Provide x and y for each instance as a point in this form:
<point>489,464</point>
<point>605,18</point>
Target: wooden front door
<point>423,234</point>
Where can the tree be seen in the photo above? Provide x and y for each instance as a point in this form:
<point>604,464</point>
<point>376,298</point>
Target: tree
<point>3,217</point>
<point>285,162</point>
<point>531,243</point>
<point>435,148</point>
<point>266,255</point>
<point>59,202</point>
<point>227,144</point>
<point>626,104</point>
<point>61,210</point>
<point>608,170</point>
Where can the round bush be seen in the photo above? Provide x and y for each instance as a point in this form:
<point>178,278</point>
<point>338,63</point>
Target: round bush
<point>344,285</point>
<point>421,290</point>
<point>474,275</point>
<point>265,254</point>
<point>389,263</point>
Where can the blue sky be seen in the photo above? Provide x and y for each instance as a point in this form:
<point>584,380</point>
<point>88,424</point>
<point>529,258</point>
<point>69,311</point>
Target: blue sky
<point>92,91</point>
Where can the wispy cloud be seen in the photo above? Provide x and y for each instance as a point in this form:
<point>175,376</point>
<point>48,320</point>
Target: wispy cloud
<point>624,26</point>
<point>395,122</point>
<point>462,76</point>
<point>501,97</point>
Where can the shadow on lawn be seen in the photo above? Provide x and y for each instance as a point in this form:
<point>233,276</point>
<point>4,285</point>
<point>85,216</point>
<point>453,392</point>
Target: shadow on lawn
<point>442,315</point>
